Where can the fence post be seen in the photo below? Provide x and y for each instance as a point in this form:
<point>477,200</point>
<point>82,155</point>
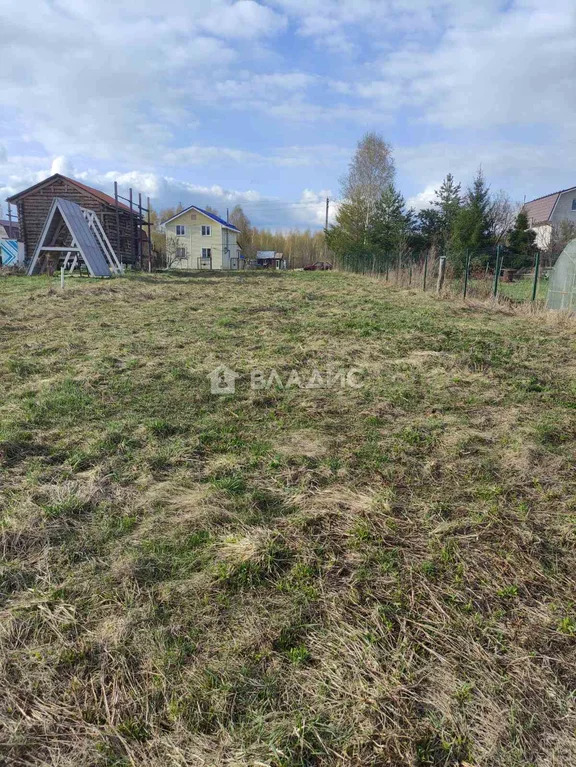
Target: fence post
<point>62,277</point>
<point>441,274</point>
<point>497,272</point>
<point>466,274</point>
<point>536,270</point>
<point>425,271</point>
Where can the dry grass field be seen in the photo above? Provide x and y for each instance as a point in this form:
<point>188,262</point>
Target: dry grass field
<point>284,577</point>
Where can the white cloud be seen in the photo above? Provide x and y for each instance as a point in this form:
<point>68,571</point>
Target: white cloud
<point>210,84</point>
<point>243,19</point>
<point>487,67</point>
<point>524,170</point>
<point>166,191</point>
<point>423,198</point>
<point>216,156</point>
<point>62,165</point>
<point>123,84</point>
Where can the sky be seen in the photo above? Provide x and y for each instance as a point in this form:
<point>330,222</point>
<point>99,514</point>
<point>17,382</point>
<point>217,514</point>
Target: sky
<point>218,102</point>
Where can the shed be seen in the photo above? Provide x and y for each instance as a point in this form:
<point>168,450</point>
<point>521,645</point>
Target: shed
<point>270,259</point>
<point>562,286</point>
<point>121,225</point>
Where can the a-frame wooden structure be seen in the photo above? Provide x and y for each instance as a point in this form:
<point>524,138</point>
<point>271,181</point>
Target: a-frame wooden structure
<point>75,235</point>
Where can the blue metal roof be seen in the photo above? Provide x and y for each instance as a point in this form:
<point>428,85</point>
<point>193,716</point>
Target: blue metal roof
<point>216,218</point>
<point>204,213</point>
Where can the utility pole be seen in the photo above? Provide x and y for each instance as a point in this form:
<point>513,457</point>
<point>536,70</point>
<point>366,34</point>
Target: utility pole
<point>326,228</point>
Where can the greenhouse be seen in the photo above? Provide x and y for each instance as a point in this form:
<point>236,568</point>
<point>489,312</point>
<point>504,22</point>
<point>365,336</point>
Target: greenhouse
<point>562,289</point>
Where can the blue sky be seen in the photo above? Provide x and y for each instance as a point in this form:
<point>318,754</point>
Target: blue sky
<point>224,101</point>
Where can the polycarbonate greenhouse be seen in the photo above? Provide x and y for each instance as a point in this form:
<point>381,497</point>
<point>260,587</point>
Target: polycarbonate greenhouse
<point>562,286</point>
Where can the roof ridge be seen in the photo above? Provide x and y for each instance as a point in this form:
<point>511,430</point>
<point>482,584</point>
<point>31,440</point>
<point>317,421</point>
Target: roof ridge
<point>102,196</point>
<point>550,194</point>
<point>213,216</point>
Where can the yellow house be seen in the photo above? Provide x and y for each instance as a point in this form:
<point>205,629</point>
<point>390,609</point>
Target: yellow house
<point>197,239</point>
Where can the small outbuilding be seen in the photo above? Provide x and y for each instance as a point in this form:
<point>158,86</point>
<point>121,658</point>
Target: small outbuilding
<point>562,284</point>
<point>270,259</point>
<point>121,224</point>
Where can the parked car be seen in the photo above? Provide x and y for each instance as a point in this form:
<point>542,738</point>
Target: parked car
<point>318,266</point>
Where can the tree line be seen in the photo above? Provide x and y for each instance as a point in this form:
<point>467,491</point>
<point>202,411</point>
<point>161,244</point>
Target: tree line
<point>375,229</point>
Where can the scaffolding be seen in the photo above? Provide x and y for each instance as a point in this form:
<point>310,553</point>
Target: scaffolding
<point>138,212</point>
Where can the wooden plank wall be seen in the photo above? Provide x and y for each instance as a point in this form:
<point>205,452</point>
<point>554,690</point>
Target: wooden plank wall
<point>34,208</point>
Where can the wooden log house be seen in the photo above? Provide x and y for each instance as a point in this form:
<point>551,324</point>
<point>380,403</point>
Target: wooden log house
<point>122,226</point>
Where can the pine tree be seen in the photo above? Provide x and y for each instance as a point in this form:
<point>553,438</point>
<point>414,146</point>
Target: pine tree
<point>392,225</point>
<point>430,229</point>
<point>348,238</point>
<point>472,227</point>
<point>448,203</point>
<point>521,242</point>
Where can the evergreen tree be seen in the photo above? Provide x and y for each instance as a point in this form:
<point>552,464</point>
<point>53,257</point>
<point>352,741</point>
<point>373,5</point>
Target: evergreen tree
<point>472,227</point>
<point>521,242</point>
<point>429,229</point>
<point>435,224</point>
<point>392,225</point>
<point>348,237</point>
<point>448,204</point>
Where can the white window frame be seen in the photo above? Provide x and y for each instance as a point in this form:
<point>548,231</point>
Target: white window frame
<point>181,254</point>
<point>180,230</point>
<point>206,230</point>
<point>574,204</point>
<point>206,253</point>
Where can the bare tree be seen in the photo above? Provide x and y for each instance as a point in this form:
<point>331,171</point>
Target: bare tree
<point>502,214</point>
<point>171,250</point>
<point>241,221</point>
<point>560,235</point>
<point>371,170</point>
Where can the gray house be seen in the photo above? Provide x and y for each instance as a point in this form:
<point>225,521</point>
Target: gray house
<point>546,212</point>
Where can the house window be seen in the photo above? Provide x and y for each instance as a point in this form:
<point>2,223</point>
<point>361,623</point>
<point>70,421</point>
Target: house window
<point>573,204</point>
<point>180,229</point>
<point>206,231</point>
<point>180,252</point>
<point>206,252</point>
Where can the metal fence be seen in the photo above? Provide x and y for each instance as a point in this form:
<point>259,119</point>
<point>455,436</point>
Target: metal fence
<point>471,275</point>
